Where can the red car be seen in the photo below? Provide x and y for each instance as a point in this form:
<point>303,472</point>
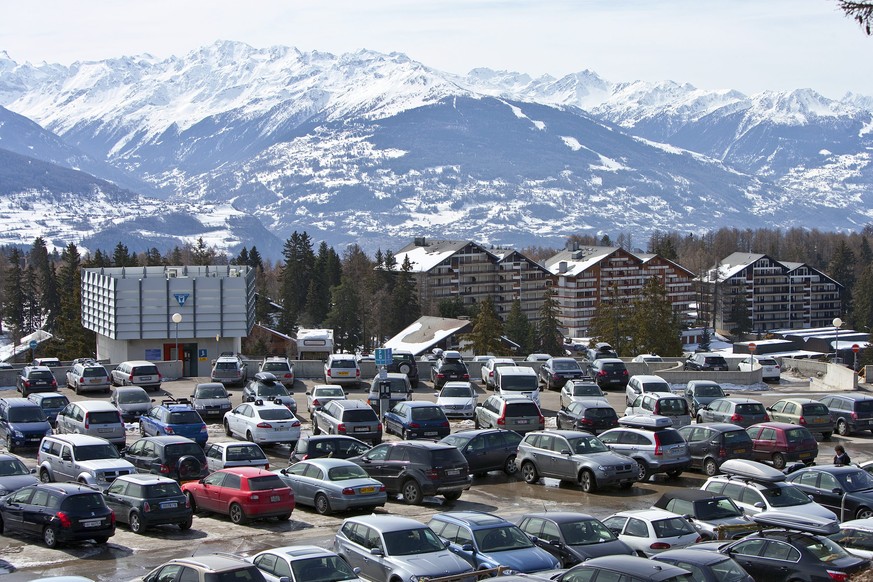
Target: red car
<point>780,442</point>
<point>243,493</point>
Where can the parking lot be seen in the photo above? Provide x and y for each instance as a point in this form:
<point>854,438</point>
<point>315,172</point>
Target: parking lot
<point>129,555</point>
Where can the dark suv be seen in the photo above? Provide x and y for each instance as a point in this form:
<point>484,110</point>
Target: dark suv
<point>609,373</point>
<point>487,449</point>
<point>850,412</point>
<point>447,370</point>
<point>403,362</point>
<point>36,379</point>
<point>142,501</point>
<point>175,457</point>
<point>706,362</point>
<point>418,468</point>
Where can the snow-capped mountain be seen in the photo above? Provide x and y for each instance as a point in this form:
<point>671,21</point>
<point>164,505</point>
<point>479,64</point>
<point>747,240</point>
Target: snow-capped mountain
<point>377,148</point>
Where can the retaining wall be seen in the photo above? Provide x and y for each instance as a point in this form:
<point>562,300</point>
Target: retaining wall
<point>823,377</point>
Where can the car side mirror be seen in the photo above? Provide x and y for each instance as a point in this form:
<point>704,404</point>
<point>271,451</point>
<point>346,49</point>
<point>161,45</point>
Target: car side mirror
<point>465,547</point>
<point>760,504</point>
<point>66,457</point>
<point>837,491</point>
<point>810,498</point>
<point>309,393</point>
<point>284,579</point>
<point>769,409</point>
<point>376,552</point>
<point>727,394</point>
<point>557,543</point>
<point>478,404</point>
<point>566,452</point>
<point>153,399</point>
<point>688,516</point>
<point>33,470</point>
<point>192,396</point>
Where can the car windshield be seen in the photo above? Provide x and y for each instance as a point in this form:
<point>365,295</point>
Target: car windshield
<point>245,453</point>
<point>276,414</point>
<point>93,452</point>
<point>428,413</point>
<point>587,445</point>
<point>346,472</point>
<point>26,414</point>
<point>328,392</point>
<point>709,391</point>
<point>133,397</point>
<point>673,527</point>
<point>185,417</point>
<point>271,389</point>
<point>566,365</point>
<point>821,547</point>
<point>322,569</point>
<point>587,390</point>
<point>456,392</point>
<point>584,532</point>
<point>716,508</point>
<point>412,541</point>
<point>10,467</point>
<point>785,496</point>
<point>499,539</point>
<point>210,392</point>
<point>855,480</point>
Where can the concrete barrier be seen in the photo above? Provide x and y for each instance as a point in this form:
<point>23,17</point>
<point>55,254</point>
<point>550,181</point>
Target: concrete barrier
<point>730,377</point>
<point>823,377</point>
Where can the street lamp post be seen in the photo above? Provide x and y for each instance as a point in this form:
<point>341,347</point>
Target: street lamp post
<point>838,323</point>
<point>177,319</point>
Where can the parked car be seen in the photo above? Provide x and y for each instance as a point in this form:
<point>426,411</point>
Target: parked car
<point>205,568</point>
<point>608,373</point>
<point>332,485</point>
<point>850,413</point>
<point>401,390</point>
<point>700,393</point>
<point>712,443</point>
<point>657,403</point>
<point>537,357</point>
<point>856,537</point>
<point>211,400</point>
<point>333,446</point>
<point>303,564</point>
<point>36,379</point>
<point>647,359</point>
<point>487,449</point>
<point>740,411</point>
<point>321,394</point>
<point>447,370</point>
<point>713,516</point>
<point>706,362</point>
<point>58,513</point>
<point>131,401</point>
<point>14,474</point>
<point>92,417</point>
<point>418,468</point>
<point>88,376</point>
<point>572,537</point>
<point>804,412</point>
<point>770,368</point>
<point>639,384</point>
<point>391,547</point>
<point>601,351</point>
<point>136,373</point>
<point>652,531</point>
<point>779,443</point>
<point>705,566</point>
<point>403,362</point>
<point>351,417</point>
<point>756,487</point>
<point>22,423</point>
<point>281,367</point>
<point>242,493</point>
<point>626,569</point>
<point>512,413</point>
<point>652,443</point>
<point>48,362</point>
<point>176,457</point>
<point>517,381</point>
<point>229,369</point>
<point>488,541</point>
<point>580,390</point>
<point>412,420</point>
<point>234,454</point>
<point>457,399</point>
<point>555,372</point>
<point>490,367</point>
<point>51,404</point>
<point>263,422</point>
<point>342,369</point>
<point>845,490</point>
<point>174,417</point>
<point>143,501</point>
<point>594,416</point>
<point>265,386</point>
<point>80,458</point>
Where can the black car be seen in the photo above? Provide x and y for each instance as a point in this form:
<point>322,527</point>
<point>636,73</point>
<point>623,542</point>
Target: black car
<point>845,490</point>
<point>14,474</point>
<point>176,457</point>
<point>705,566</point>
<point>487,449</point>
<point>265,386</point>
<point>555,372</point>
<point>712,443</point>
<point>572,537</point>
<point>609,373</point>
<point>327,445</point>
<point>403,362</point>
<point>624,569</point>
<point>446,370</point>
<point>706,362</point>
<point>142,501</point>
<point>850,412</point>
<point>418,468</point>
<point>594,416</point>
<point>57,513</point>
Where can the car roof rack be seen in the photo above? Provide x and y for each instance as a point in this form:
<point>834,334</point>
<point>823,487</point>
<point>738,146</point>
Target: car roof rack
<point>796,522</point>
<point>646,421</point>
<point>751,471</point>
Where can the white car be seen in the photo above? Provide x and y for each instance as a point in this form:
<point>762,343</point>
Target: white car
<point>647,358</point>
<point>490,366</point>
<point>457,399</point>
<point>770,369</point>
<point>576,390</point>
<point>538,357</point>
<point>321,394</point>
<point>856,536</point>
<point>263,422</point>
<point>342,369</point>
<point>235,454</point>
<point>303,564</point>
<point>652,531</point>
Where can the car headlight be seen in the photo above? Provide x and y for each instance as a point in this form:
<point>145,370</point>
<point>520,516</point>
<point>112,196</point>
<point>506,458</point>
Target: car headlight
<point>603,469</point>
<point>413,578</point>
<point>17,433</point>
<point>508,572</point>
<point>49,431</point>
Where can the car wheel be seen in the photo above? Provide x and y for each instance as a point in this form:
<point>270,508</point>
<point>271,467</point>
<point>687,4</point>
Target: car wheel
<point>136,525</point>
<point>10,444</point>
<point>191,501</point>
<point>529,472</point>
<point>227,429</point>
<point>411,492</point>
<point>186,525</point>
<point>237,515</point>
<point>779,461</point>
<point>315,429</point>
<point>142,431</point>
<point>674,474</point>
<point>452,497</point>
<point>476,422</point>
<point>510,467</point>
<point>50,536</point>
<point>710,467</point>
<point>45,476</point>
<point>249,436</point>
<point>842,427</point>
<point>587,482</point>
<point>322,504</point>
<point>699,420</point>
<point>644,472</point>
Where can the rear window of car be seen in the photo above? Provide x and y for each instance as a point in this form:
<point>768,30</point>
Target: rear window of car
<point>522,409</point>
<point>83,501</point>
<point>796,435</point>
<point>600,413</point>
<point>266,482</point>
<point>613,366</point>
<point>244,453</point>
<point>864,406</point>
<point>221,366</point>
<point>750,409</point>
<point>360,415</point>
<point>94,372</point>
<point>41,375</point>
<point>402,358</point>
<point>158,490</point>
<point>733,437</point>
<point>815,409</point>
<point>714,360</point>
<point>276,414</point>
<point>673,406</point>
<point>343,364</point>
<point>276,367</point>
<point>587,390</point>
<point>440,457</point>
<point>656,387</point>
<point>104,417</point>
<point>145,371</point>
<point>454,367</point>
<point>181,449</point>
<point>427,413</point>
<point>670,437</point>
<point>185,417</point>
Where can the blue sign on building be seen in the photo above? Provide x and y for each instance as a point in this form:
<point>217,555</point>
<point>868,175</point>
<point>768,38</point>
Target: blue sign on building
<point>181,298</point>
<point>384,356</point>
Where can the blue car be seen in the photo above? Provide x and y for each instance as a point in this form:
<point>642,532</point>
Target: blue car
<point>22,423</point>
<point>51,403</point>
<point>174,418</point>
<point>488,541</point>
<point>417,420</point>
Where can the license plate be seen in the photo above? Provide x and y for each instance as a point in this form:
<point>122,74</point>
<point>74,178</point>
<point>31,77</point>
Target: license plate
<point>738,451</point>
<point>805,455</point>
<point>523,421</point>
<point>169,505</point>
<point>275,498</point>
<point>820,420</point>
<point>145,378</point>
<point>278,428</point>
<point>615,380</point>
<point>105,430</point>
<point>361,429</point>
<point>431,433</point>
<point>453,472</point>
<point>368,489</point>
<point>342,373</point>
<point>92,523</point>
<point>95,380</point>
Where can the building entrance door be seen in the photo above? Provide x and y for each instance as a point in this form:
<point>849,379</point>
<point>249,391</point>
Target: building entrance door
<point>189,357</point>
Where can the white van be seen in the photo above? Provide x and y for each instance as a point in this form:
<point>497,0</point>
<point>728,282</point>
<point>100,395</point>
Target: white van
<point>517,381</point>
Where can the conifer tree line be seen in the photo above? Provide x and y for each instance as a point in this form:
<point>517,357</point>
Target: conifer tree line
<point>367,299</point>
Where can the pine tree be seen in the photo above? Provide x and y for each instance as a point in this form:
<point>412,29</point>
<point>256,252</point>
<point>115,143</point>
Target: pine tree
<point>519,329</point>
<point>548,338</point>
<point>452,307</point>
<point>655,328</point>
<point>487,329</point>
<point>32,311</point>
<point>405,308</point>
<point>842,269</point>
<point>77,341</point>
<point>242,258</point>
<point>13,297</point>
<point>202,254</point>
<point>121,256</point>
<point>862,300</point>
<point>295,276</point>
<point>704,344</point>
<point>345,316</point>
<point>44,287</point>
<point>611,321</point>
<point>153,258</point>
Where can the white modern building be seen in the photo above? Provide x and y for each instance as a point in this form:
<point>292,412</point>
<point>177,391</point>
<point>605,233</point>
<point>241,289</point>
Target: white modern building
<point>162,313</point>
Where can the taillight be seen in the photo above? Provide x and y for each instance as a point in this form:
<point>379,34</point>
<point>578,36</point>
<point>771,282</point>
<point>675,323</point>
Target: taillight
<point>736,418</point>
<point>491,374</point>
<point>296,423</point>
<point>289,375</point>
<point>169,430</point>
<point>112,517</point>
<point>624,372</point>
<point>854,416</point>
<point>414,425</point>
<point>766,417</point>
<point>82,380</point>
<point>441,376</point>
<point>108,379</point>
<point>357,373</point>
<point>445,423</point>
<point>27,383</point>
<point>341,427</point>
<point>316,403</point>
<point>328,373</point>
<point>379,427</point>
<point>586,422</point>
<point>187,501</point>
<point>348,491</point>
<point>381,489</point>
<point>131,377</point>
<point>432,474</point>
<point>87,420</point>
<point>264,425</point>
<point>542,419</point>
<point>555,376</point>
<point>267,466</point>
<point>837,575</point>
<point>601,373</point>
<point>54,382</point>
<point>466,376</point>
<point>164,470</point>
<point>146,507</point>
<point>658,451</point>
<point>64,519</point>
<point>160,377</point>
<point>657,408</point>
<point>660,546</point>
<point>802,420</point>
<point>502,419</point>
<point>722,452</point>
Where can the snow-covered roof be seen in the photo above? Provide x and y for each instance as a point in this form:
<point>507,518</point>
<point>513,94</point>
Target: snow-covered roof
<point>766,342</point>
<point>425,258</point>
<point>10,350</point>
<point>425,332</point>
<point>577,261</point>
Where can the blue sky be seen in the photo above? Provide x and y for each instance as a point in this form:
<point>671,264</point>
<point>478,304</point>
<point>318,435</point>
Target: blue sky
<point>750,45</point>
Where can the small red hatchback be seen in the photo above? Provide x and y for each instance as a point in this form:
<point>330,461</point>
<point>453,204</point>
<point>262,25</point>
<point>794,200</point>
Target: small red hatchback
<point>242,493</point>
<point>780,442</point>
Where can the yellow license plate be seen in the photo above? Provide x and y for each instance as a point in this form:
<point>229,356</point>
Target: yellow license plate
<point>738,451</point>
<point>342,374</point>
<point>805,455</point>
<point>368,489</point>
<point>820,420</point>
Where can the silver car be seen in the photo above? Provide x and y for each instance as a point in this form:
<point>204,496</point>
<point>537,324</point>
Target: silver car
<point>401,549</point>
<point>331,485</point>
<point>131,401</point>
<point>650,442</point>
<point>211,399</point>
<point>235,454</point>
<point>87,376</point>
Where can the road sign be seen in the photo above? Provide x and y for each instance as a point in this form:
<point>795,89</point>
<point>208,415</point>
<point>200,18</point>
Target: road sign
<point>856,348</point>
<point>752,348</point>
<point>33,344</point>
<point>384,356</point>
